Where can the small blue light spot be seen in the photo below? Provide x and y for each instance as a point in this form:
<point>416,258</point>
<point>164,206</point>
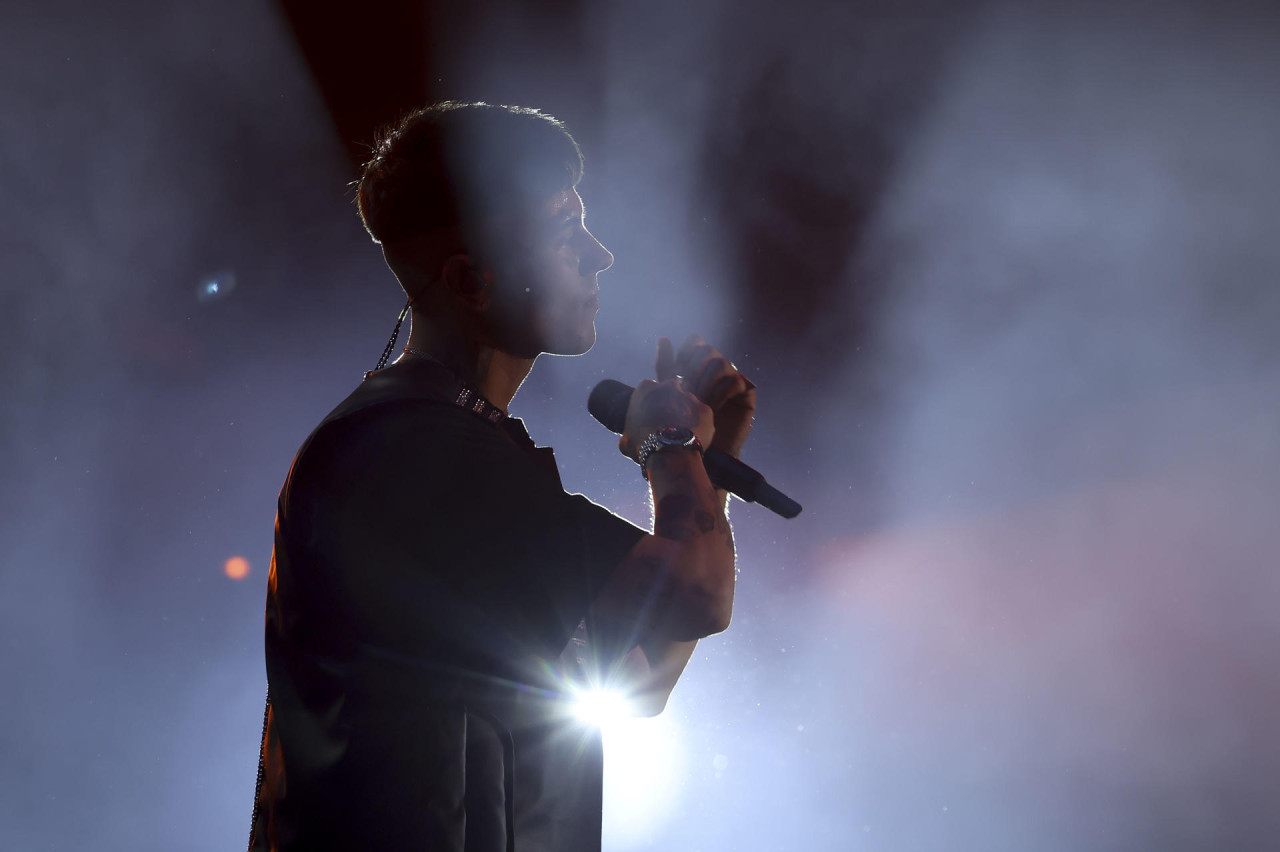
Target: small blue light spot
<point>216,286</point>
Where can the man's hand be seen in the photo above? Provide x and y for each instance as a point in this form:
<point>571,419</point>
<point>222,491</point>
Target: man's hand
<point>677,585</point>
<point>657,405</point>
<point>710,377</point>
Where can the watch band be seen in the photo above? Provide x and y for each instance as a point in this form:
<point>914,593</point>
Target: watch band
<point>670,438</point>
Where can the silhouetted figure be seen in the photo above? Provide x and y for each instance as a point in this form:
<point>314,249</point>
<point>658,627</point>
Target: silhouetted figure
<point>436,599</point>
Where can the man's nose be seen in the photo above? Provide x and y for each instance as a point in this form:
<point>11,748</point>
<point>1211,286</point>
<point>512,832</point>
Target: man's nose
<point>597,258</point>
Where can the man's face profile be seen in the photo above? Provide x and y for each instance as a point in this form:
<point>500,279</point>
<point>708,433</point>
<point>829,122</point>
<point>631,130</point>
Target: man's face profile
<point>545,294</point>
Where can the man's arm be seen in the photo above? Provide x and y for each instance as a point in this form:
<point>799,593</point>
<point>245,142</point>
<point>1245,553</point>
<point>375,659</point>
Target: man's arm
<point>677,584</point>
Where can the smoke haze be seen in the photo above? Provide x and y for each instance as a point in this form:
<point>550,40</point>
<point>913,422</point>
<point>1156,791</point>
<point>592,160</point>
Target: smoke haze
<point>1005,275</point>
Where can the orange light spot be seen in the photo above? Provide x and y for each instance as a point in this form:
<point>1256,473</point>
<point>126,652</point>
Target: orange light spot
<point>237,568</point>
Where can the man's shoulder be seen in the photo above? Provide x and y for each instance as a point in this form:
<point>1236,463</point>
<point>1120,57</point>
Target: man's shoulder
<point>402,386</point>
<point>407,407</point>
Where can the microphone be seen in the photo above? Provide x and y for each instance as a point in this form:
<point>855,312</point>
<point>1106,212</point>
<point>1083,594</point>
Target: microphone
<point>608,403</point>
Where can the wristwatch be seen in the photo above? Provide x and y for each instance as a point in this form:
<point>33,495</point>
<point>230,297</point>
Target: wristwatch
<point>670,438</point>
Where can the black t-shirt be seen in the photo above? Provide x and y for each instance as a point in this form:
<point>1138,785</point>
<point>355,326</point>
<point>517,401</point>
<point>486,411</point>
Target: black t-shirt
<point>425,619</point>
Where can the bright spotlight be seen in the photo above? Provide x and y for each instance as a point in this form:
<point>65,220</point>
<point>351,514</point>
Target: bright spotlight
<point>644,764</point>
<point>644,776</point>
<point>600,707</point>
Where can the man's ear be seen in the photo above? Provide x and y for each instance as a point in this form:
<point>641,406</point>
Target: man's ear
<point>464,279</point>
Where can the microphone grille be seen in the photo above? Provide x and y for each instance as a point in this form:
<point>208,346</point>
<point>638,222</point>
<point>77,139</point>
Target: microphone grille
<point>608,404</point>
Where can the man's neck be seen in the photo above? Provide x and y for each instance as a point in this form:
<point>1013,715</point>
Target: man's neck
<point>494,374</point>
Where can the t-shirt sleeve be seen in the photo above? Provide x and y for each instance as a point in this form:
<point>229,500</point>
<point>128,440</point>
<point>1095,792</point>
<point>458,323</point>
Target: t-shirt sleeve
<point>430,531</point>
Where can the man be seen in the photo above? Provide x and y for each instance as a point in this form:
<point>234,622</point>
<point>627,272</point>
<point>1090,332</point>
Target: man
<point>435,597</point>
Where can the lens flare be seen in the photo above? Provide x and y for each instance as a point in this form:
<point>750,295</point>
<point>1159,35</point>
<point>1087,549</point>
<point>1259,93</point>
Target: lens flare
<point>237,568</point>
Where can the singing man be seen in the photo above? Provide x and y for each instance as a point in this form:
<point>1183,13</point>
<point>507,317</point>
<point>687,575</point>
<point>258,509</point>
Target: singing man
<point>436,599</point>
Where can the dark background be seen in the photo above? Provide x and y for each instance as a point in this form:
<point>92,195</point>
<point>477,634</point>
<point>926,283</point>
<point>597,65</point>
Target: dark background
<point>1005,275</point>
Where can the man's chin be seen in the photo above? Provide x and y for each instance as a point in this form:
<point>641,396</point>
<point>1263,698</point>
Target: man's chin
<point>589,341</point>
<point>573,351</point>
<point>580,346</point>
<point>568,342</point>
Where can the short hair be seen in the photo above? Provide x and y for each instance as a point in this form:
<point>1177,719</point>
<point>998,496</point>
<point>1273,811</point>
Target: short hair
<point>450,164</point>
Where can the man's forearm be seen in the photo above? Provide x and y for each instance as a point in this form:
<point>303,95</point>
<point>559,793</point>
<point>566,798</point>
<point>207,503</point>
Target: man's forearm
<point>689,510</point>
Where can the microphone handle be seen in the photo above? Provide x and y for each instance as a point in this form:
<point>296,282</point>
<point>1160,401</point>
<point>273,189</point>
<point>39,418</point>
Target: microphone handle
<point>748,483</point>
<point>608,403</point>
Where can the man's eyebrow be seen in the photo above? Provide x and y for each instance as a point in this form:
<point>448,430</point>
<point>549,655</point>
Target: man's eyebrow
<point>566,214</point>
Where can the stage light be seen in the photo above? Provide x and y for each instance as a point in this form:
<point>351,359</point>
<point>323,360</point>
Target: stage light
<point>644,777</point>
<point>217,285</point>
<point>237,568</point>
<point>600,707</point>
<point>644,764</point>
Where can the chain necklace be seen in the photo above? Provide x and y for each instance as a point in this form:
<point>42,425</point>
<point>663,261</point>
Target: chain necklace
<point>411,350</point>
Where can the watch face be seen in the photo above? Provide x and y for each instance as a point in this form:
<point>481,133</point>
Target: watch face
<point>676,435</point>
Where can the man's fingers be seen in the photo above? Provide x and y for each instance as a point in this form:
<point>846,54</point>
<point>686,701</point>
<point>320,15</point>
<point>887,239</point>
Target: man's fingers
<point>704,376</point>
<point>727,388</point>
<point>707,374</point>
<point>691,354</point>
<point>664,366</point>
